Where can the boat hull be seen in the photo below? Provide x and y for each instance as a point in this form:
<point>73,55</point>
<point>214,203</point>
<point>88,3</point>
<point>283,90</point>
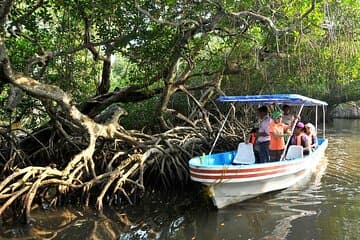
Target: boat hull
<point>229,184</point>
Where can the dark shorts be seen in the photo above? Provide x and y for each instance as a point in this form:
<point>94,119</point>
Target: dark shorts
<point>275,155</point>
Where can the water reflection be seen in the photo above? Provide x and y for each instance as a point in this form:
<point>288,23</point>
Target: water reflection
<point>299,201</point>
<point>272,216</point>
<point>326,206</point>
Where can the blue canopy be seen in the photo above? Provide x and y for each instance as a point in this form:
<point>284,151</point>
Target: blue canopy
<point>289,99</point>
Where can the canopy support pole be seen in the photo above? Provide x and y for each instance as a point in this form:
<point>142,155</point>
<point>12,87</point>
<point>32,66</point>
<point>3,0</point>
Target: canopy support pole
<point>292,131</point>
<point>220,130</point>
<point>316,118</point>
<point>324,121</point>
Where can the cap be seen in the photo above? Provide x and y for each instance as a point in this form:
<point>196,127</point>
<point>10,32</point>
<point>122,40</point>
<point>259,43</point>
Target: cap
<point>311,126</point>
<point>299,125</point>
<point>276,114</point>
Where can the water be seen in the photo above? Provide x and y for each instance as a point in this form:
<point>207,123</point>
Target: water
<point>327,206</point>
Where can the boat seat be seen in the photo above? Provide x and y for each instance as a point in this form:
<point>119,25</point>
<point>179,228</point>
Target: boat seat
<point>294,151</point>
<point>244,154</point>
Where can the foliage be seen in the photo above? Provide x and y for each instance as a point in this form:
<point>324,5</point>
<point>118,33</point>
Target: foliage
<point>169,59</point>
<point>142,116</point>
<point>317,58</point>
<point>145,48</point>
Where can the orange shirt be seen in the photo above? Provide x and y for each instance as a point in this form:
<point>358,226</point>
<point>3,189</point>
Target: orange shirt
<point>277,143</point>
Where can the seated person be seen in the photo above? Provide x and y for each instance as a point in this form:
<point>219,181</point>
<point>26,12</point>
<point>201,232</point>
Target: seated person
<point>311,132</point>
<point>252,139</point>
<point>300,138</point>
<point>252,136</point>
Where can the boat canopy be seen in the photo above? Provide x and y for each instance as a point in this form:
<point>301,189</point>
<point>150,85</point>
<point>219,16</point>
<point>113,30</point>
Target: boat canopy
<point>289,99</point>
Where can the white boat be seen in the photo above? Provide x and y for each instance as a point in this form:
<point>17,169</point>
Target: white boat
<point>229,183</point>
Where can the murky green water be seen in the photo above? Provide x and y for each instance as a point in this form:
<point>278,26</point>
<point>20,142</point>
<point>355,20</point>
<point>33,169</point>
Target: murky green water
<point>327,206</point>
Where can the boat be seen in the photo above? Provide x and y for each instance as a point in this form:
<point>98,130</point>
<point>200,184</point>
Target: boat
<point>230,183</point>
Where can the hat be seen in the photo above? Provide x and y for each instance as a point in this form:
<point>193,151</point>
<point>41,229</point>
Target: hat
<point>277,114</point>
<point>309,125</point>
<point>300,125</point>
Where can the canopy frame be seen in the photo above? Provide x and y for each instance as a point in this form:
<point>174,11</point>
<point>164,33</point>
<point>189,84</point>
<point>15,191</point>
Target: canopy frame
<point>275,99</point>
<point>288,99</point>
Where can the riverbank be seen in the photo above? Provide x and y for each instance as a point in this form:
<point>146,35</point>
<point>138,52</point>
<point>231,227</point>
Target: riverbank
<point>350,110</point>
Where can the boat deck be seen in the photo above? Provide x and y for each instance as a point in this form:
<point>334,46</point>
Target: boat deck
<point>224,158</point>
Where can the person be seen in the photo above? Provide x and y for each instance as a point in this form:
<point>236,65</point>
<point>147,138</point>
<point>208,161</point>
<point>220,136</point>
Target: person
<point>288,118</point>
<point>252,136</point>
<point>277,132</point>
<point>311,132</point>
<point>252,139</point>
<point>300,138</point>
<point>263,135</point>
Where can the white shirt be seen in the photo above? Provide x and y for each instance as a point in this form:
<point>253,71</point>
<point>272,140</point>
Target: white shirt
<point>287,119</point>
<point>264,128</point>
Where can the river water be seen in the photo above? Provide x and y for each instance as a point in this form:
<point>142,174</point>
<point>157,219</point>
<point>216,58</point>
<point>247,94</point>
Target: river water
<point>326,206</point>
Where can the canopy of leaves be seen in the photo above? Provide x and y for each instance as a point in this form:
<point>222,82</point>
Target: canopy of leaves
<point>259,47</point>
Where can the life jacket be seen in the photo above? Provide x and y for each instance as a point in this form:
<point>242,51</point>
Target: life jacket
<point>252,138</point>
<point>299,139</point>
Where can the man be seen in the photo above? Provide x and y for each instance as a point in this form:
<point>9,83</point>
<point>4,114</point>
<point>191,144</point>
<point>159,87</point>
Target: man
<point>263,135</point>
<point>288,118</point>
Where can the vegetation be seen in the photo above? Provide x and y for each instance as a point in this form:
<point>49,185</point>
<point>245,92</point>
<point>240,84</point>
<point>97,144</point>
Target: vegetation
<point>70,69</point>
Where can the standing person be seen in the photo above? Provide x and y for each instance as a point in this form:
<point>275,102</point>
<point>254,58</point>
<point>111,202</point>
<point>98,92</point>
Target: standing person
<point>288,118</point>
<point>300,138</point>
<point>311,132</point>
<point>263,135</point>
<point>277,132</point>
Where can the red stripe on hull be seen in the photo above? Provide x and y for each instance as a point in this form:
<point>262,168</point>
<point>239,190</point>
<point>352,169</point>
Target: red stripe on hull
<point>236,176</point>
<point>243,170</point>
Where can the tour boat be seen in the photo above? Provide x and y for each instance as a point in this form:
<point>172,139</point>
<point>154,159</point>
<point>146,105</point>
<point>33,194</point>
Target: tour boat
<point>230,183</point>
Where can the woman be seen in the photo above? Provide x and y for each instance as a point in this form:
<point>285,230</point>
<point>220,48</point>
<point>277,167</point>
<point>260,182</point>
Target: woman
<point>311,132</point>
<point>277,131</point>
<point>300,138</point>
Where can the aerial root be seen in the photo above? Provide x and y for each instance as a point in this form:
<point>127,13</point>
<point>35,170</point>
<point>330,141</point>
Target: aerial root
<point>103,176</point>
